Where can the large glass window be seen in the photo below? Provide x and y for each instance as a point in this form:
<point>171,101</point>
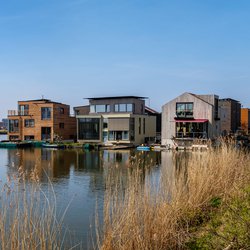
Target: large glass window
<point>46,113</point>
<point>100,108</point>
<point>118,136</point>
<point>29,123</point>
<point>184,110</point>
<point>89,128</point>
<point>126,107</point>
<point>13,126</point>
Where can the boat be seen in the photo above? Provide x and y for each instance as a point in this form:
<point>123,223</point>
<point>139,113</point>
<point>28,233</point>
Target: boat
<point>48,145</point>
<point>143,148</point>
<point>88,146</point>
<point>12,144</point>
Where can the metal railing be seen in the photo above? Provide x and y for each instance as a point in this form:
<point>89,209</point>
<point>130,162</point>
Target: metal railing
<point>199,135</point>
<point>18,112</point>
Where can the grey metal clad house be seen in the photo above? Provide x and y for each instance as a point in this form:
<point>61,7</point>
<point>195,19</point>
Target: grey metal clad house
<point>190,116</point>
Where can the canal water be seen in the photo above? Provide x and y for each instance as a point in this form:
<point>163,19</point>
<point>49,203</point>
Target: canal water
<point>78,178</point>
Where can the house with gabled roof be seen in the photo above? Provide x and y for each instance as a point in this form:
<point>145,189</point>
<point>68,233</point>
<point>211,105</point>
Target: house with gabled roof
<point>189,117</point>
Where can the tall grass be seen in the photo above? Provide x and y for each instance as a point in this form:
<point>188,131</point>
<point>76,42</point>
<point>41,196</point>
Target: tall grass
<point>28,215</point>
<point>163,214</point>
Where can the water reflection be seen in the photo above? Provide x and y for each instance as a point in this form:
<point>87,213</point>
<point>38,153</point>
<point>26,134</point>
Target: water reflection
<point>79,176</point>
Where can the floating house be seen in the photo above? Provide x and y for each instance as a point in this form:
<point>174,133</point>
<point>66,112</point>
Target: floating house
<point>112,120</point>
<point>189,117</point>
<point>41,119</point>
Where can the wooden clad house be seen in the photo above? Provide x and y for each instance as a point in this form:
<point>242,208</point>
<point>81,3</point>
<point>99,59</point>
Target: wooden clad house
<point>41,119</point>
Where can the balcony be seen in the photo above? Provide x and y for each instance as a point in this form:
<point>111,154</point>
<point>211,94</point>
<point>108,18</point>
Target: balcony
<point>18,113</point>
<point>185,114</point>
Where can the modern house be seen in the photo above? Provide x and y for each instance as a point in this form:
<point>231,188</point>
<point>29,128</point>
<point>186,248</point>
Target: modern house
<point>189,117</point>
<point>41,119</point>
<point>245,119</point>
<point>112,120</point>
<point>230,114</point>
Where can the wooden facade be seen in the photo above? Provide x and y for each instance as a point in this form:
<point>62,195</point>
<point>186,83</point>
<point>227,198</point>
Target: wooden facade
<point>41,120</point>
<point>245,119</point>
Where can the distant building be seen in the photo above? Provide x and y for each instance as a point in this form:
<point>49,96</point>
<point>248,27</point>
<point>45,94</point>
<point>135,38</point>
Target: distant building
<point>41,119</point>
<point>119,119</point>
<point>190,116</point>
<point>5,123</point>
<point>230,115</point>
<point>245,119</point>
<point>157,115</point>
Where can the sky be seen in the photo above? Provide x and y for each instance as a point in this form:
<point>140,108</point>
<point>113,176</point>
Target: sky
<point>68,50</point>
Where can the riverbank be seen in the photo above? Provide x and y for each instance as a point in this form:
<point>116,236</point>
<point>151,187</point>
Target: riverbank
<point>180,210</point>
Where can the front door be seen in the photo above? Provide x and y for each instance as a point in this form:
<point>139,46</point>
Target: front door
<point>46,134</point>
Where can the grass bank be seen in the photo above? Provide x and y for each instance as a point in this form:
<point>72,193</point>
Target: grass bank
<point>178,210</point>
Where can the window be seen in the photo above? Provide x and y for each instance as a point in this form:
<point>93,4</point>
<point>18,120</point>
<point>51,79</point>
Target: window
<point>105,123</point>
<point>130,107</point>
<point>144,126</point>
<point>29,123</point>
<point>184,110</point>
<point>139,126</point>
<point>61,111</point>
<point>23,109</point>
<point>118,136</point>
<point>13,126</point>
<point>46,113</point>
<point>29,137</point>
<point>61,125</point>
<point>127,107</point>
<point>100,108</point>
<point>89,128</point>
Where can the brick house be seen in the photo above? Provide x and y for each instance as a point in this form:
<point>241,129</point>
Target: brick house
<point>41,119</point>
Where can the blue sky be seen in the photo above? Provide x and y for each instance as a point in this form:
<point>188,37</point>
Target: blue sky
<point>66,50</point>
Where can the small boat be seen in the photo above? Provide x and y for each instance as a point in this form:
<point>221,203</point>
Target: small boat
<point>88,146</point>
<point>143,148</point>
<point>48,145</point>
<point>13,144</point>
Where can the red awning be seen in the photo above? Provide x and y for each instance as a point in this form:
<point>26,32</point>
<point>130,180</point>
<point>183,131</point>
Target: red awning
<point>194,120</point>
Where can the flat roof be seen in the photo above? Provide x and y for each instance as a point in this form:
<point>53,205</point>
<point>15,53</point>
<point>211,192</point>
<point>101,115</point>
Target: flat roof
<point>228,100</point>
<point>116,97</point>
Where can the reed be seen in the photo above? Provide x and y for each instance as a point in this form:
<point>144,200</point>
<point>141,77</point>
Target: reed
<point>28,215</point>
<point>165,213</point>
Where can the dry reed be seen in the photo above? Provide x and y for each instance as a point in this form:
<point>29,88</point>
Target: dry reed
<point>143,214</point>
<point>28,215</point>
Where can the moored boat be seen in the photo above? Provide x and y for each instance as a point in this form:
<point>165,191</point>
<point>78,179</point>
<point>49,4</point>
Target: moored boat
<point>48,145</point>
<point>143,148</point>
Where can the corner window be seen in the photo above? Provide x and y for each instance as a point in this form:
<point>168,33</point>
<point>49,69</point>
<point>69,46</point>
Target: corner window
<point>13,126</point>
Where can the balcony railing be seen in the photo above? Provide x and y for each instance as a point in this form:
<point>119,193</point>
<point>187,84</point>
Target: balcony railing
<point>18,112</point>
<point>200,135</point>
<point>185,114</point>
